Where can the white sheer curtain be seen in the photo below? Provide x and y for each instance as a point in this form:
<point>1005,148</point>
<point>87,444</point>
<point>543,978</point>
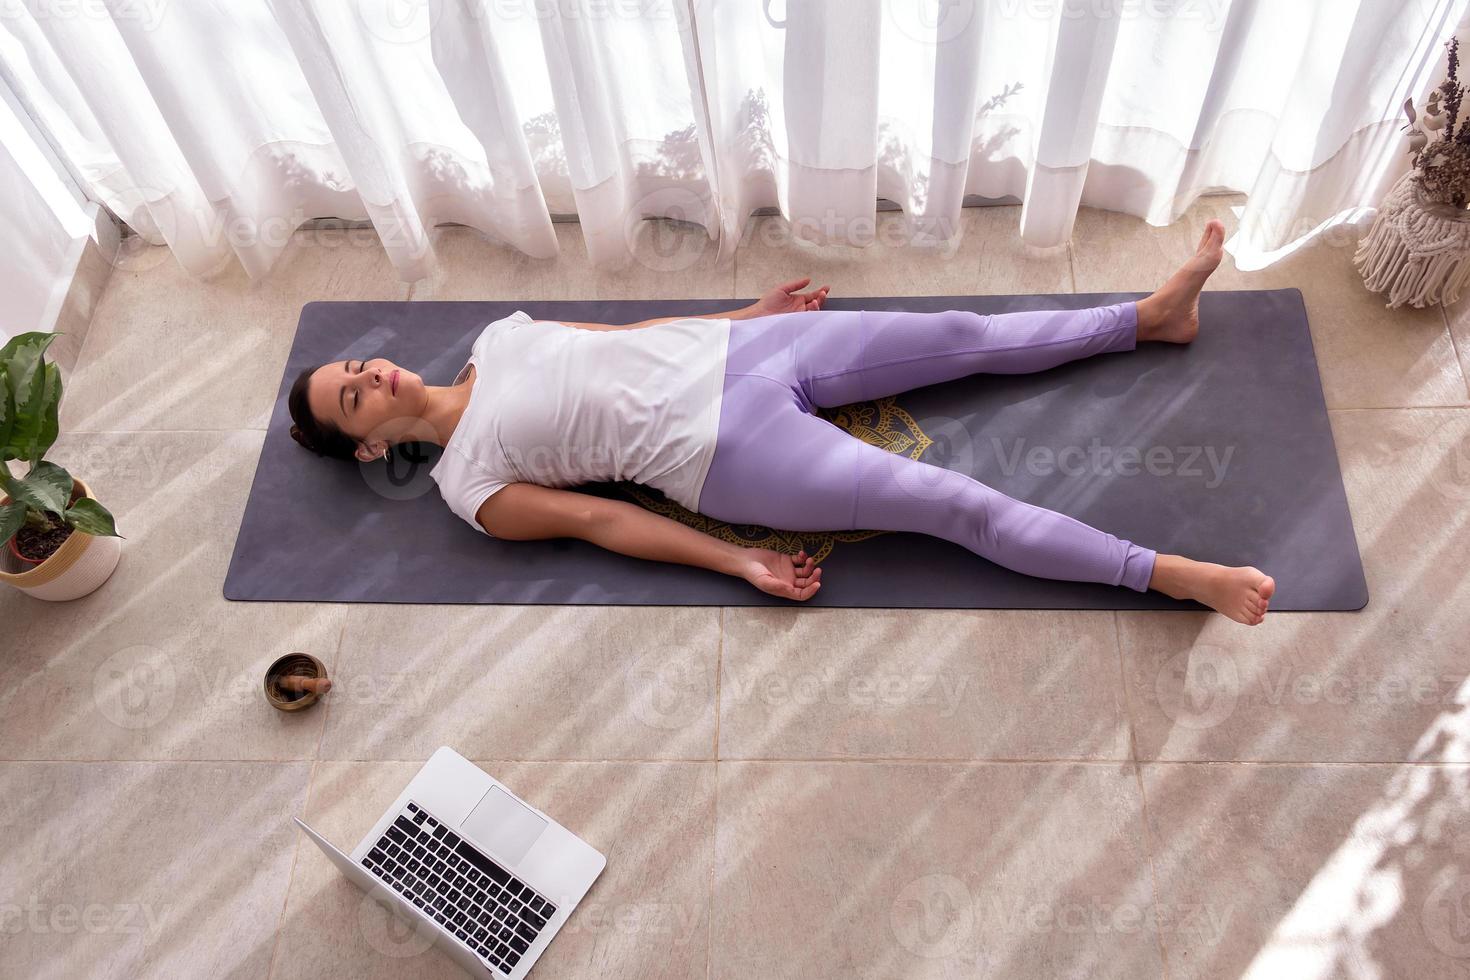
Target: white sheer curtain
<point>42,224</point>
<point>218,126</point>
<point>1129,105</point>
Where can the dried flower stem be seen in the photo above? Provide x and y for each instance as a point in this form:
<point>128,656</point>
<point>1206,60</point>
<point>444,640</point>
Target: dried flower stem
<point>1444,164</point>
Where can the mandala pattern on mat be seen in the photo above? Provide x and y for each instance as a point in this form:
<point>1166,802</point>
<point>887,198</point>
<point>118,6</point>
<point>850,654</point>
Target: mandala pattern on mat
<point>881,423</point>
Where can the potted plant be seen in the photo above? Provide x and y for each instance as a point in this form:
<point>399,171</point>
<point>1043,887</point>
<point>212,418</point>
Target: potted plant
<point>1418,249</point>
<point>56,540</point>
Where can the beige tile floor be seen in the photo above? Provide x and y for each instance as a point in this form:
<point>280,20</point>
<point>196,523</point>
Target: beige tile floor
<point>781,792</point>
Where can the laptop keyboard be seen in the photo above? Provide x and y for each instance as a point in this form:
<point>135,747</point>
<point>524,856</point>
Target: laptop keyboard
<point>495,913</point>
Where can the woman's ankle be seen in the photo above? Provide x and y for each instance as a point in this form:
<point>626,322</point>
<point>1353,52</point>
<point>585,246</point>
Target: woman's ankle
<point>1175,576</point>
<point>1149,317</point>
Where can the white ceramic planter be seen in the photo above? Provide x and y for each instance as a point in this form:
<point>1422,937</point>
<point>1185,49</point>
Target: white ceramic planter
<point>79,566</point>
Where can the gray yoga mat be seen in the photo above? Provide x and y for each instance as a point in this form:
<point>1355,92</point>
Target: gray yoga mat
<point>1220,450</point>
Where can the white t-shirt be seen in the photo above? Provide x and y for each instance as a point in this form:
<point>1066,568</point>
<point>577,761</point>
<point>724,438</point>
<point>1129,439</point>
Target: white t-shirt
<point>558,406</point>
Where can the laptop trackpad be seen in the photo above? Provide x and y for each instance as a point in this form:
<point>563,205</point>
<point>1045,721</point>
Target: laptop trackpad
<point>503,826</point>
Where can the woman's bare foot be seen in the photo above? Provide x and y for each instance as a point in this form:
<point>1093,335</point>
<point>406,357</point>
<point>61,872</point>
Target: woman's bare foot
<point>1171,314</point>
<point>1243,594</point>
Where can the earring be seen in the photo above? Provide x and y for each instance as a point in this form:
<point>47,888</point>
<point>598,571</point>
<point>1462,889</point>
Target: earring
<point>388,455</point>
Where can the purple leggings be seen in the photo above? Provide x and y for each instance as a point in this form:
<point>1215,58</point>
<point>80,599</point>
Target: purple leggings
<point>777,464</point>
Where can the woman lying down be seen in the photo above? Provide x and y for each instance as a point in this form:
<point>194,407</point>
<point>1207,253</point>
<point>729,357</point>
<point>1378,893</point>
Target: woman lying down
<point>718,412</point>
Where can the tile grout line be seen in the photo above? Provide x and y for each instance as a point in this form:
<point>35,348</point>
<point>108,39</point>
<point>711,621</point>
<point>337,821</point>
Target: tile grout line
<point>719,672</point>
<point>1147,838</point>
<point>1397,408</point>
<point>290,879</point>
<point>310,782</point>
<point>327,702</point>
<point>793,760</point>
<point>1123,689</point>
<point>1102,761</point>
<point>1455,348</point>
<point>714,827</point>
<point>1153,877</point>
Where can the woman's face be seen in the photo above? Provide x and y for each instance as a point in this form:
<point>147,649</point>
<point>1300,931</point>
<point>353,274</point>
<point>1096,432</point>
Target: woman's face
<point>373,401</point>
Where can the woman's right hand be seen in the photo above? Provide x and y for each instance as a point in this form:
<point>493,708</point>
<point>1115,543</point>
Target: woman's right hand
<point>785,298</point>
<point>779,574</point>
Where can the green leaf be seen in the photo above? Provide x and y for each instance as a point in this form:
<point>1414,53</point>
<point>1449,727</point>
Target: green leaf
<point>90,517</point>
<point>33,394</point>
<point>7,408</point>
<point>47,487</point>
<point>23,360</point>
<point>12,516</point>
<point>25,340</point>
<point>45,436</point>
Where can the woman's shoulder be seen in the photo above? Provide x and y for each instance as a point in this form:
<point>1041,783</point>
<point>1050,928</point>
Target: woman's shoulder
<point>495,328</point>
<point>509,321</point>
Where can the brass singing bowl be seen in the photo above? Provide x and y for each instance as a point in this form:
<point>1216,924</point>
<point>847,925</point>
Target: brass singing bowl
<point>293,665</point>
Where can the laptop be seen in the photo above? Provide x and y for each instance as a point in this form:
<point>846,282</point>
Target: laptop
<point>489,876</point>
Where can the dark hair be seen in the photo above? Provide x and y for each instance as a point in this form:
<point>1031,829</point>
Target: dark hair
<point>322,438</point>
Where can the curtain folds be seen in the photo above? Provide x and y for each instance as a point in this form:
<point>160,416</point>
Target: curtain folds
<point>219,126</point>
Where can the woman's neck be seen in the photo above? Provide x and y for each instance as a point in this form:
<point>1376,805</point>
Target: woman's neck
<point>444,407</point>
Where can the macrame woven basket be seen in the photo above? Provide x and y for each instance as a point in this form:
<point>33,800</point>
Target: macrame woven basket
<point>1418,252</point>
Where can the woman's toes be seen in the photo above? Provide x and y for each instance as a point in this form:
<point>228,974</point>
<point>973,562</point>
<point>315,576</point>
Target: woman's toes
<point>1207,240</point>
<point>1244,594</point>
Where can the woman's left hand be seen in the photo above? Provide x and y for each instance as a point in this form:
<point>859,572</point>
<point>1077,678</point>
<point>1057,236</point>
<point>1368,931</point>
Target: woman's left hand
<point>785,298</point>
<point>779,574</point>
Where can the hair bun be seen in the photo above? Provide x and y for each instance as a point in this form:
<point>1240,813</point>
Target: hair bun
<point>300,437</point>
